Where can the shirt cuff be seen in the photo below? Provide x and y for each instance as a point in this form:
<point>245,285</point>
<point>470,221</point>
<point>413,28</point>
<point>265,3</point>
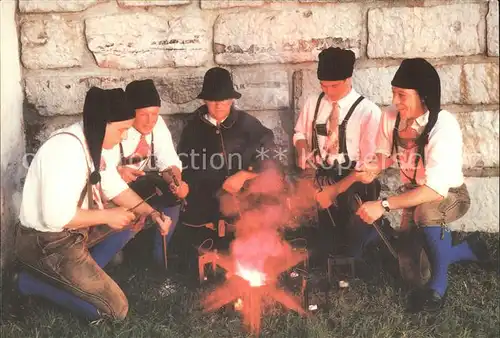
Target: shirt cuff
<point>298,137</point>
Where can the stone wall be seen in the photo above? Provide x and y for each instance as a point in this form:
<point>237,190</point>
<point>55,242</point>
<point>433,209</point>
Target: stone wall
<point>271,48</point>
<point>12,142</point>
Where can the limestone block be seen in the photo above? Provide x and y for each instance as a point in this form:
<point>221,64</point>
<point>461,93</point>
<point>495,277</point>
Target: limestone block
<point>481,83</point>
<point>262,89</point>
<point>291,35</point>
<point>65,94</point>
<point>42,6</point>
<point>480,131</point>
<point>149,3</point>
<point>492,30</point>
<point>483,214</point>
<point>431,32</point>
<point>220,4</point>
<point>148,40</point>
<point>53,42</point>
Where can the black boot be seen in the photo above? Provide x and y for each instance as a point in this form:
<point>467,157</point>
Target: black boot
<point>480,249</point>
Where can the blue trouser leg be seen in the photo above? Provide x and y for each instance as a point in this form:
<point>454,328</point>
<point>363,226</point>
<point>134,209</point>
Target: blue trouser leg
<point>442,255</point>
<point>107,248</point>
<point>30,285</point>
<point>364,234</point>
<point>102,254</point>
<point>173,213</point>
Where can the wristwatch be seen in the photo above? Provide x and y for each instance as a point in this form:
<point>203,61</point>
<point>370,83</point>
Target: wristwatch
<point>385,204</point>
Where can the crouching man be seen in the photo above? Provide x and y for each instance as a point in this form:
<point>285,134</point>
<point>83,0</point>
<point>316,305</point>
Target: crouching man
<point>66,235</point>
<point>426,142</point>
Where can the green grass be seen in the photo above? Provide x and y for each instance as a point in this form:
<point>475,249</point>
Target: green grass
<point>372,307</point>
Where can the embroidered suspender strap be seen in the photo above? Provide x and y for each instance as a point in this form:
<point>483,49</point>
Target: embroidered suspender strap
<point>395,136</point>
<point>123,160</point>
<point>314,137</point>
<point>343,126</point>
<point>153,157</point>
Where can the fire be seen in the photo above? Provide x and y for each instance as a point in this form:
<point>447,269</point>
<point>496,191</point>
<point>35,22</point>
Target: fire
<point>258,255</point>
<point>255,278</point>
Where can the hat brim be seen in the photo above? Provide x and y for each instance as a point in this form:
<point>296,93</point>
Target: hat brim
<point>218,97</point>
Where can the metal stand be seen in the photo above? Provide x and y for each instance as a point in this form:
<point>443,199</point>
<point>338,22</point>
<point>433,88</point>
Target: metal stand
<point>340,268</point>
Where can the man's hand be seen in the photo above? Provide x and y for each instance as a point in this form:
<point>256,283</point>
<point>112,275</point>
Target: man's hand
<point>302,154</point>
<point>118,218</point>
<point>164,222</point>
<point>234,183</point>
<point>327,197</point>
<point>370,211</point>
<point>180,191</point>
<point>365,177</point>
<point>129,174</point>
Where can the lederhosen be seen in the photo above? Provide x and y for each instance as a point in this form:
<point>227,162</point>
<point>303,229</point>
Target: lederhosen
<point>145,185</point>
<point>326,174</point>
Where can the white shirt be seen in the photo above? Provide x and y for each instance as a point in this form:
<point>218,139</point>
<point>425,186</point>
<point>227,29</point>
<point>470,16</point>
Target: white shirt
<point>360,132</point>
<point>55,180</point>
<point>164,150</point>
<point>443,153</point>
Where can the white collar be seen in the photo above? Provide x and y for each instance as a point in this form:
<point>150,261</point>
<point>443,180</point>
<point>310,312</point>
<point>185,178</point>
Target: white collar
<point>348,100</point>
<point>212,120</point>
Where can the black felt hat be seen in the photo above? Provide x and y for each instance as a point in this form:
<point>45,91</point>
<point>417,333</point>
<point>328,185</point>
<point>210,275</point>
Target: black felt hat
<point>335,64</point>
<point>100,108</point>
<point>420,75</point>
<point>218,86</point>
<point>143,94</point>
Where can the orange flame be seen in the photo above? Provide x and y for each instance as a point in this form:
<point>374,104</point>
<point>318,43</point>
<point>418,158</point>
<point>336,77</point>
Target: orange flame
<point>258,253</point>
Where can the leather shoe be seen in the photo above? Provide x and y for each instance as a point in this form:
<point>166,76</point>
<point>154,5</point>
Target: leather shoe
<point>425,299</point>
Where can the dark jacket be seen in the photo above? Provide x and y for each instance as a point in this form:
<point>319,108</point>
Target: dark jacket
<point>210,155</point>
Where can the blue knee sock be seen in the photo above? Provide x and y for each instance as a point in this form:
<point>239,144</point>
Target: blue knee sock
<point>442,255</point>
<point>106,249</point>
<point>29,285</point>
<point>173,213</point>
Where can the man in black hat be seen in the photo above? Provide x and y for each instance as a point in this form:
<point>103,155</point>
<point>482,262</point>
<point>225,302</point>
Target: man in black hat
<point>66,235</point>
<point>335,132</point>
<point>147,159</point>
<point>426,143</point>
<point>219,148</point>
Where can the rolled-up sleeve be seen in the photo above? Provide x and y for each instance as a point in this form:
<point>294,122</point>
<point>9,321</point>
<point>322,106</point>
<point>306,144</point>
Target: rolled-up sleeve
<point>302,128</point>
<point>63,175</point>
<point>443,157</point>
<point>164,147</point>
<point>368,135</point>
<point>112,183</point>
<point>383,139</point>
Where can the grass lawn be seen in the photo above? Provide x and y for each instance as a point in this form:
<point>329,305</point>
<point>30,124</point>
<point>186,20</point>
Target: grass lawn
<point>372,307</point>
